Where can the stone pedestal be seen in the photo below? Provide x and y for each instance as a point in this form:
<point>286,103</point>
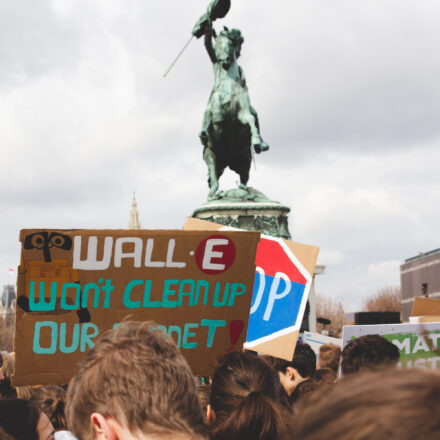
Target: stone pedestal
<point>246,208</point>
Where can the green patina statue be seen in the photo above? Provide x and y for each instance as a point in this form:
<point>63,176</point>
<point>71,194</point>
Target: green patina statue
<point>230,124</point>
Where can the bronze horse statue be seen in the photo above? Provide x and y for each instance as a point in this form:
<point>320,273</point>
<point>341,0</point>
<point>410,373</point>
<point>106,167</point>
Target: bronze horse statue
<point>230,124</point>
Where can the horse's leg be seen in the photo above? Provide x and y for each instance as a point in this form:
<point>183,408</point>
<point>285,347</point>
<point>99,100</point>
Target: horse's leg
<point>210,159</point>
<point>247,117</point>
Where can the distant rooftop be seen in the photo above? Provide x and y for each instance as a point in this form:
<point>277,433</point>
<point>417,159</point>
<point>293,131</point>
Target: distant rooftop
<point>423,254</point>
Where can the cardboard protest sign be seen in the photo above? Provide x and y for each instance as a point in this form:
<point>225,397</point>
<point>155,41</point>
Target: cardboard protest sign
<point>283,277</point>
<point>316,340</point>
<point>425,307</point>
<point>75,284</point>
<point>419,344</point>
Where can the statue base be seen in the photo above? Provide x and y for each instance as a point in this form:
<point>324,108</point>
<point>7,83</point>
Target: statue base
<point>246,208</point>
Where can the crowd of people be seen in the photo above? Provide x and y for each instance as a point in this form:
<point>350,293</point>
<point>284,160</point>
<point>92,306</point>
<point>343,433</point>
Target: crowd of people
<point>135,384</point>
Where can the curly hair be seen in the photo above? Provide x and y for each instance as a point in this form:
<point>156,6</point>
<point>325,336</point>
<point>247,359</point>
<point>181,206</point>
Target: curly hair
<point>368,352</point>
<point>51,399</point>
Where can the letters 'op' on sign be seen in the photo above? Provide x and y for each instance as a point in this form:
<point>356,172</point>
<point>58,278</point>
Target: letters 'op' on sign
<point>284,274</point>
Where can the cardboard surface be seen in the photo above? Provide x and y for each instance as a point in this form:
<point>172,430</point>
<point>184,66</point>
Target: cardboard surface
<point>425,307</point>
<point>419,344</point>
<point>284,275</point>
<point>75,284</point>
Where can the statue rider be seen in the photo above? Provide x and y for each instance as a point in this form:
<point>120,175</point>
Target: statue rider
<point>229,85</point>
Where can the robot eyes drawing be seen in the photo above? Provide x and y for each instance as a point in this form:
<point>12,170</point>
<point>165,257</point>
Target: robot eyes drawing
<point>44,241</point>
<point>48,271</point>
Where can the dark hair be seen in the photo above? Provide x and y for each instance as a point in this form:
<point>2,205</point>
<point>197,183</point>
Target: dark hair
<point>7,391</point>
<point>246,400</point>
<point>304,361</point>
<point>19,418</point>
<point>320,380</point>
<point>51,399</point>
<point>136,375</point>
<point>367,353</point>
<point>393,405</point>
<point>324,375</point>
<point>329,356</point>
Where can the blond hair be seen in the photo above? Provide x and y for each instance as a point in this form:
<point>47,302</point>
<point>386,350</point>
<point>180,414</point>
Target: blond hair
<point>136,375</point>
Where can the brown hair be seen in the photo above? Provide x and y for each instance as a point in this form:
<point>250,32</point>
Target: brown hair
<point>136,375</point>
<point>393,405</point>
<point>245,398</point>
<point>19,418</point>
<point>304,361</point>
<point>329,356</point>
<point>369,352</point>
<point>51,399</point>
<point>7,391</point>
<point>320,381</point>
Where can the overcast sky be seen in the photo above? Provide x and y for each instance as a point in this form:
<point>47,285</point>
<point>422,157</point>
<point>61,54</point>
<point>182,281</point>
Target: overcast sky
<point>347,92</point>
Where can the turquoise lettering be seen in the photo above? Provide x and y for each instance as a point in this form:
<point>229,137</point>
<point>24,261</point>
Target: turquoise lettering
<point>190,294</point>
<point>187,334</point>
<point>176,329</point>
<point>126,300</point>
<point>107,288</point>
<point>53,338</point>
<point>64,304</point>
<point>213,324</point>
<point>75,338</point>
<point>86,337</point>
<point>42,305</point>
<point>205,285</point>
<point>237,289</point>
<point>167,292</point>
<point>147,293</point>
<point>85,295</point>
<point>217,302</point>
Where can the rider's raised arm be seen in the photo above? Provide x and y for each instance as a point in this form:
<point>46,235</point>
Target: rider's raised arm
<point>209,37</point>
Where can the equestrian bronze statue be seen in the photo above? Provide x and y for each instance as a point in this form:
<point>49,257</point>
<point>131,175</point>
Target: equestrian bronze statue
<point>230,126</point>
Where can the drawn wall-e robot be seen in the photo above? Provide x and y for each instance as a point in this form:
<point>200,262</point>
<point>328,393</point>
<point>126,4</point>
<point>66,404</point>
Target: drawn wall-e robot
<point>49,270</point>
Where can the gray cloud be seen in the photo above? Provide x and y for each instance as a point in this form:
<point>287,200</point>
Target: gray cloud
<point>347,94</point>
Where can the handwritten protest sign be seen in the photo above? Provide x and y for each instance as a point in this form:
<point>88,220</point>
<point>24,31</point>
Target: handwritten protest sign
<point>316,341</point>
<point>419,344</point>
<point>75,284</point>
<point>283,278</point>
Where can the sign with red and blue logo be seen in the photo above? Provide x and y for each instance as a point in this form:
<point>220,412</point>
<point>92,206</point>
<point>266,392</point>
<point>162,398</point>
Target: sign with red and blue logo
<point>280,292</point>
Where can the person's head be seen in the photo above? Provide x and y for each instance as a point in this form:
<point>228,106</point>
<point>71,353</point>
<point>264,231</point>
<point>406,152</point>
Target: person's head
<point>368,352</point>
<point>134,384</point>
<point>321,379</point>
<point>392,405</point>
<point>6,371</point>
<point>246,400</point>
<point>24,420</point>
<point>237,40</point>
<point>329,356</point>
<point>300,368</point>
<point>51,399</point>
<point>224,49</point>
<point>204,390</point>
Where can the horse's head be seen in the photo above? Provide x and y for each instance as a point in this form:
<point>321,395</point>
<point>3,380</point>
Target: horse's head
<point>224,50</point>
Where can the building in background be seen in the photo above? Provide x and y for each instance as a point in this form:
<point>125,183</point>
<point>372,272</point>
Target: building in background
<point>419,276</point>
<point>134,222</point>
<point>8,297</point>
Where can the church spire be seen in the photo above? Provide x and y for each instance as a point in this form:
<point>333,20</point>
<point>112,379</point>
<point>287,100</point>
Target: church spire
<point>134,215</point>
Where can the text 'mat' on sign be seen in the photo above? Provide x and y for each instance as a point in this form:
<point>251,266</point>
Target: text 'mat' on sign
<point>75,284</point>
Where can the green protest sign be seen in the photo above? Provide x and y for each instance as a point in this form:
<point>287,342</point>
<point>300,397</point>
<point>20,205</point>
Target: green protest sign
<point>418,344</point>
